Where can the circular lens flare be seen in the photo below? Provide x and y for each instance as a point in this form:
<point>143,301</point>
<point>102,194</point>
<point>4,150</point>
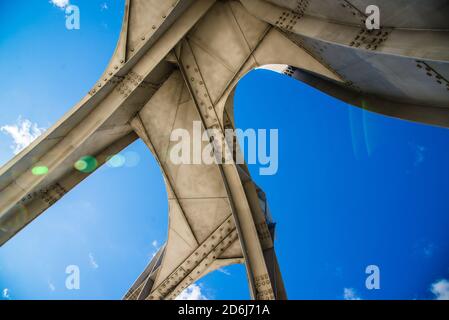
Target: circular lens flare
<point>86,164</point>
<point>39,170</point>
<point>132,159</point>
<point>116,161</point>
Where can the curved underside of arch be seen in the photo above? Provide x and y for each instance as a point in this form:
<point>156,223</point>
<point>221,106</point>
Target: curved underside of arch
<point>179,61</point>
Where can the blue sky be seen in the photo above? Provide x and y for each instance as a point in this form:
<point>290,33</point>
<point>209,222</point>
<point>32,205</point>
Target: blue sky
<point>353,188</point>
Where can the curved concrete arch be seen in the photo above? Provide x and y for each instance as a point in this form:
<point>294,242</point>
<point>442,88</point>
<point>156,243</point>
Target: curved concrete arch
<point>179,61</point>
<point>195,93</point>
<point>279,66</point>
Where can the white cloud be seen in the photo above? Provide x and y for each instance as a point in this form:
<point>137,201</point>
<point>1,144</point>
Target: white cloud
<point>223,270</point>
<point>60,3</point>
<point>92,261</point>
<point>5,294</point>
<point>419,152</point>
<point>23,133</point>
<point>350,294</point>
<point>419,155</point>
<point>192,292</point>
<point>51,286</point>
<point>428,250</point>
<point>156,247</point>
<point>425,248</point>
<point>440,289</point>
<point>104,6</point>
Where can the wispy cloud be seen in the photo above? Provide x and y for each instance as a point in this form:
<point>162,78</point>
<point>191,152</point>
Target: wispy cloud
<point>223,270</point>
<point>440,289</point>
<point>23,133</point>
<point>92,261</point>
<point>156,247</point>
<point>424,247</point>
<point>428,250</point>
<point>51,286</point>
<point>350,294</point>
<point>104,6</point>
<point>6,294</point>
<point>419,152</point>
<point>192,292</point>
<point>60,3</point>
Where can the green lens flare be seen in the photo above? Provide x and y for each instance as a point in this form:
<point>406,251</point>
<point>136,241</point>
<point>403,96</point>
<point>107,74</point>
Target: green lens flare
<point>39,170</point>
<point>116,161</point>
<point>86,164</point>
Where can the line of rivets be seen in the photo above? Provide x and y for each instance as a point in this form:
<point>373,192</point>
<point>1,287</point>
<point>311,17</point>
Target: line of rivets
<point>165,287</point>
<point>430,72</point>
<point>143,38</point>
<point>186,282</point>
